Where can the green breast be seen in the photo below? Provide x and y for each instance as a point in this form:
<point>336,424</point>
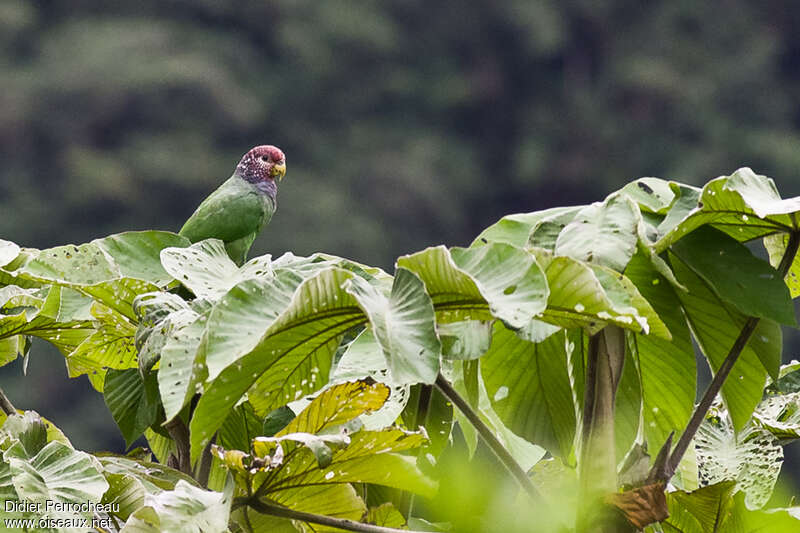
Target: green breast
<point>234,211</point>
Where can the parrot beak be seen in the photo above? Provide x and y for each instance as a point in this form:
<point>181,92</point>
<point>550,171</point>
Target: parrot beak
<point>278,171</point>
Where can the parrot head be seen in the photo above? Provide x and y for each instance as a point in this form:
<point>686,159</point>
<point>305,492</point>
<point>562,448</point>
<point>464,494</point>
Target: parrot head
<point>262,164</point>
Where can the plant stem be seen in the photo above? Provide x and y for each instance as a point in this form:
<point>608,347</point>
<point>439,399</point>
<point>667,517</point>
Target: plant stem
<point>488,436</point>
<point>725,368</point>
<point>406,505</point>
<point>597,469</point>
<point>6,405</point>
<point>180,434</point>
<point>204,468</point>
<point>341,523</point>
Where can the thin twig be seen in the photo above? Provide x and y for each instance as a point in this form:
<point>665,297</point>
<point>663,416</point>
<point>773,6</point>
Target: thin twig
<point>725,368</point>
<point>6,405</point>
<point>488,436</point>
<point>341,523</point>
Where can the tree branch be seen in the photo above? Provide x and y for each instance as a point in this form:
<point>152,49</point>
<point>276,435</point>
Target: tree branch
<point>341,523</point>
<point>725,368</point>
<point>488,436</point>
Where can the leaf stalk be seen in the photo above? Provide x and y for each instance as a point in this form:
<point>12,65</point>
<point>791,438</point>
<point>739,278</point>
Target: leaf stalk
<point>6,405</point>
<point>488,436</point>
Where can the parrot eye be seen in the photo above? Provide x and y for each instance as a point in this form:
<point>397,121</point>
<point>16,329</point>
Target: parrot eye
<point>264,158</point>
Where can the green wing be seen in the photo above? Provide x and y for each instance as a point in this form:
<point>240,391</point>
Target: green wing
<point>234,213</point>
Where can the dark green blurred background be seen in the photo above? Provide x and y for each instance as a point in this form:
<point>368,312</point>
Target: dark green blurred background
<point>406,123</point>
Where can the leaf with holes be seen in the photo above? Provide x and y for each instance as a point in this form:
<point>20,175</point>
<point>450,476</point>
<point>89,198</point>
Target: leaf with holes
<point>578,298</point>
<point>337,405</point>
<point>206,270</point>
<point>186,508</point>
<point>497,280</point>
<point>529,388</point>
<point>364,358</point>
<point>780,415</point>
<point>292,358</point>
<point>56,474</point>
<point>242,315</point>
<point>605,233</point>
<point>516,229</point>
<point>370,457</point>
<point>752,458</point>
<point>403,324</point>
<point>137,253</point>
<point>466,340</point>
<point>182,366</point>
<point>668,369</point>
<point>744,205</point>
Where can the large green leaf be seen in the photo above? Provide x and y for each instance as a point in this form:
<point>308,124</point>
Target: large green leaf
<point>241,316</point>
<point>545,232</point>
<point>469,339</point>
<point>735,275</point>
<point>8,252</point>
<point>653,195</point>
<point>605,233</point>
<point>133,401</point>
<point>56,474</point>
<point>370,457</point>
<point>516,229</point>
<point>137,253</point>
<point>744,205</point>
<point>62,317</point>
<point>716,326</point>
<point>706,510</point>
<point>523,451</point>
<point>181,366</point>
<point>497,280</point>
<point>111,345</point>
<point>292,358</point>
<point>714,509</point>
<point>337,405</point>
<point>83,264</point>
<point>668,369</point>
<point>364,358</point>
<point>131,480</point>
<point>403,325</point>
<point>529,388</point>
<point>579,298</point>
<point>186,509</point>
<point>776,247</point>
<point>206,270</point>
<point>628,403</point>
<point>112,270</point>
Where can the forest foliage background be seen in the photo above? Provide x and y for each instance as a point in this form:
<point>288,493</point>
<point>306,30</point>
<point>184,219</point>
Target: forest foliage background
<point>405,123</point>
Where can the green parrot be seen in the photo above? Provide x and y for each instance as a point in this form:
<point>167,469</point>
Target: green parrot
<point>237,211</point>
